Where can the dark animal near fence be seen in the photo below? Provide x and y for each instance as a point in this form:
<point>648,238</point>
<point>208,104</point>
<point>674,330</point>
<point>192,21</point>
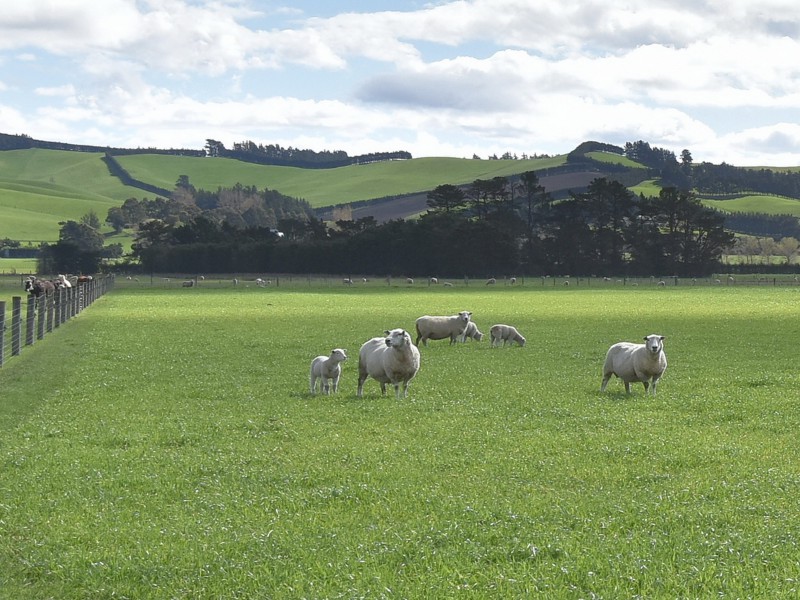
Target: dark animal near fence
<point>36,287</point>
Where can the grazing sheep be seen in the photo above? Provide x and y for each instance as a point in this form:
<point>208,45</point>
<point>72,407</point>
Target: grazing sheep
<point>187,283</point>
<point>409,281</point>
<point>327,369</point>
<point>491,281</point>
<point>347,281</point>
<point>636,362</point>
<point>433,281</point>
<point>471,331</point>
<point>439,328</point>
<point>507,334</point>
<point>391,359</point>
<point>512,281</point>
<point>447,284</point>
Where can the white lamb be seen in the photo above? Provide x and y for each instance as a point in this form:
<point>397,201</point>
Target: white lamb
<point>327,369</point>
<point>507,334</point>
<point>391,359</point>
<point>439,328</point>
<point>471,331</point>
<point>636,362</point>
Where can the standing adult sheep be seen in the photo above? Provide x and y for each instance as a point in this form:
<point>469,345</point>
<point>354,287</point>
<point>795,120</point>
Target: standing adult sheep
<point>328,370</point>
<point>391,359</point>
<point>636,362</point>
<point>439,328</point>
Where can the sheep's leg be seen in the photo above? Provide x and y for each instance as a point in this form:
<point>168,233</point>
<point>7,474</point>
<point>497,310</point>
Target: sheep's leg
<point>313,384</point>
<point>361,379</point>
<point>326,386</point>
<point>606,377</point>
<point>627,387</point>
<point>397,391</point>
<point>646,387</point>
<point>383,389</point>
<point>336,385</point>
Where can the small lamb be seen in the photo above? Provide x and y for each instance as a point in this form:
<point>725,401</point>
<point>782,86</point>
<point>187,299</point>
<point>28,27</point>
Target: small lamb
<point>471,332</point>
<point>507,334</point>
<point>636,362</point>
<point>327,369</point>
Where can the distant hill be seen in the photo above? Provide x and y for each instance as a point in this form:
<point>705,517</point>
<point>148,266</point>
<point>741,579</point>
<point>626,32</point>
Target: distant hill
<point>43,183</point>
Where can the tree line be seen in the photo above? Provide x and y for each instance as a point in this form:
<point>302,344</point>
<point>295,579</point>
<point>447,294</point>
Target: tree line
<point>275,154</point>
<point>492,227</point>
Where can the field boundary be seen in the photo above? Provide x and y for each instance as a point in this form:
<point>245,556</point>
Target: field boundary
<point>45,314</point>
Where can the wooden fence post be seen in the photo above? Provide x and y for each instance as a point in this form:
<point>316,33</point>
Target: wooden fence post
<point>41,316</point>
<point>16,324</point>
<point>30,320</point>
<point>2,331</point>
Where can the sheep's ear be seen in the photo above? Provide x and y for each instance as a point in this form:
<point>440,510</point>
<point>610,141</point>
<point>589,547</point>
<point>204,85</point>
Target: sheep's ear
<point>645,338</point>
<point>386,332</point>
<point>663,338</point>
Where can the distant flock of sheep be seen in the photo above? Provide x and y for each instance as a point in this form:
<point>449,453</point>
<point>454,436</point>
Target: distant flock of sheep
<point>394,359</point>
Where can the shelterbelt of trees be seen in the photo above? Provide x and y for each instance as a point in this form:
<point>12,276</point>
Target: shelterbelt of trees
<point>489,228</point>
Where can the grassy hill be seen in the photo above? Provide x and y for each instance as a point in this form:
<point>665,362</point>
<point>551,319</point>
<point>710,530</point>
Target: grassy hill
<point>762,203</point>
<point>326,187</point>
<point>41,187</point>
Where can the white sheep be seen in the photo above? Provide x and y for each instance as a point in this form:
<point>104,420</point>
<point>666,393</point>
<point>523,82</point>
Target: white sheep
<point>391,359</point>
<point>507,334</point>
<point>636,362</point>
<point>471,331</point>
<point>439,328</point>
<point>491,281</point>
<point>327,369</point>
<point>433,281</point>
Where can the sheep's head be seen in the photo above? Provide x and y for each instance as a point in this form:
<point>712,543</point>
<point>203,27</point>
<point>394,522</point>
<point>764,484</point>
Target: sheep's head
<point>654,343</point>
<point>465,315</point>
<point>338,355</point>
<point>397,338</point>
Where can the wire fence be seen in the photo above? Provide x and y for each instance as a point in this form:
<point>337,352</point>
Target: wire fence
<point>44,314</point>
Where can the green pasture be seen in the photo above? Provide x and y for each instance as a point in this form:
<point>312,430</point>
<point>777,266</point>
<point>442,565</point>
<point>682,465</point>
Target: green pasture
<point>324,187</point>
<point>760,203</point>
<point>40,188</point>
<point>617,159</point>
<point>650,187</point>
<point>163,444</point>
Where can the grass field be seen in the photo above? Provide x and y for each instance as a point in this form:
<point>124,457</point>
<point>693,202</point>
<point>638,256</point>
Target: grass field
<point>164,445</point>
<point>325,187</point>
<point>762,203</point>
<point>40,188</point>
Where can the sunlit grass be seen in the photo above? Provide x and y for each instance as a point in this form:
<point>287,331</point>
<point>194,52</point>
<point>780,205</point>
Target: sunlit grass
<point>178,453</point>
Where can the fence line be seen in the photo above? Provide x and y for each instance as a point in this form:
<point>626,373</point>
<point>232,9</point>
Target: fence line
<point>47,313</point>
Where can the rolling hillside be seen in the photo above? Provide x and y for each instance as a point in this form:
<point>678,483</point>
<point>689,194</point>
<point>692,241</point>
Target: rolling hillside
<point>326,187</point>
<point>41,187</point>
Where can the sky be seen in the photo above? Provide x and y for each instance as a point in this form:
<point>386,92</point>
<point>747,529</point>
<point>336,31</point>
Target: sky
<point>455,78</point>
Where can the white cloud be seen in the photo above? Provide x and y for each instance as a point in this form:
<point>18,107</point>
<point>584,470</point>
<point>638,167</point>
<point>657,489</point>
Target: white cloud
<point>464,76</point>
